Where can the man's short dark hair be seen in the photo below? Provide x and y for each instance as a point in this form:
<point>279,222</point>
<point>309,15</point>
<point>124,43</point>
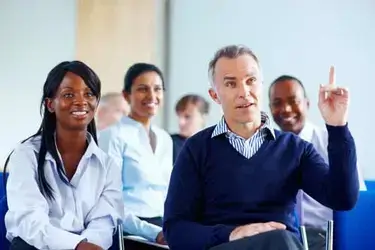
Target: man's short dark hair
<point>284,78</point>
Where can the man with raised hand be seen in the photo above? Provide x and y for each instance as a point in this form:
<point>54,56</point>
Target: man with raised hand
<point>289,105</point>
<point>234,185</point>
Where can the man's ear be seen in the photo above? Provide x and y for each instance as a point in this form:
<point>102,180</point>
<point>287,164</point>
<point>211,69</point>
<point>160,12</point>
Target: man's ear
<point>214,96</point>
<point>307,103</point>
<point>49,105</point>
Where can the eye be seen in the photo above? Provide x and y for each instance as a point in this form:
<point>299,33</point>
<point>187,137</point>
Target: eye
<point>231,84</point>
<point>294,101</point>
<point>276,104</point>
<point>67,95</point>
<point>158,89</point>
<point>142,89</point>
<point>252,80</point>
<point>89,94</point>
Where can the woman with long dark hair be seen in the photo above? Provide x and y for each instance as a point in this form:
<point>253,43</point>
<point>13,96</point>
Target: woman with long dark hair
<point>144,151</point>
<point>63,191</point>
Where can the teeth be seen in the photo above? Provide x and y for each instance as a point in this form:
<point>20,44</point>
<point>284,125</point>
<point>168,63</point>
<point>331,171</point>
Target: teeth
<point>79,112</point>
<point>245,105</point>
<point>151,104</point>
<point>289,118</point>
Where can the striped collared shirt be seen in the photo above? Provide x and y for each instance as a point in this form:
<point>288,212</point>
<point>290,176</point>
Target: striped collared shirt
<point>246,147</point>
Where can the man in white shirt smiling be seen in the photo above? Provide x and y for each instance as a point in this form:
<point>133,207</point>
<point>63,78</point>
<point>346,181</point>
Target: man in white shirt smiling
<point>289,105</point>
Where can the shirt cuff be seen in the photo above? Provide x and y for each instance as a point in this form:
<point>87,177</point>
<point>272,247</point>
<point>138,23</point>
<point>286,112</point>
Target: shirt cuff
<point>337,129</point>
<point>69,243</point>
<point>151,232</point>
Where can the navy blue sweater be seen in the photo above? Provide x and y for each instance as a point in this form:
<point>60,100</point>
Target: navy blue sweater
<point>213,188</point>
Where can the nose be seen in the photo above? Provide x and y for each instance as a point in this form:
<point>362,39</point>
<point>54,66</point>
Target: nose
<point>151,94</point>
<point>80,99</point>
<point>287,108</point>
<point>243,90</point>
<point>181,121</point>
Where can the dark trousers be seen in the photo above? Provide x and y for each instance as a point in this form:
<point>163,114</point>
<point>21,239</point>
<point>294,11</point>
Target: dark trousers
<point>158,221</point>
<point>272,240</point>
<point>316,238</point>
<point>19,244</point>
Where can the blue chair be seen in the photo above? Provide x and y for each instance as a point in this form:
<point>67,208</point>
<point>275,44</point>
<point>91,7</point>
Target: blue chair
<point>354,229</point>
<point>3,178</point>
<point>370,184</point>
<point>4,243</point>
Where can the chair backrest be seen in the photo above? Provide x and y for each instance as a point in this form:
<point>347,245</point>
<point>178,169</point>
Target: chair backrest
<point>4,243</point>
<point>370,185</point>
<point>3,178</point>
<point>118,241</point>
<point>354,229</point>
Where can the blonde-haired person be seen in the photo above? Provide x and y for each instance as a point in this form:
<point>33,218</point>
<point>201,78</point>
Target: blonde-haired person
<point>112,107</point>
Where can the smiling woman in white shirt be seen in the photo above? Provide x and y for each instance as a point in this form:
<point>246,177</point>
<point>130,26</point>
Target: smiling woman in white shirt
<point>144,151</point>
<point>63,191</point>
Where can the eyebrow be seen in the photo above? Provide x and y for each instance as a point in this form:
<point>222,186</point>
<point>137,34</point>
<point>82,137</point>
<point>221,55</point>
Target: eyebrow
<point>66,88</point>
<point>234,78</point>
<point>292,97</point>
<point>229,78</point>
<point>147,86</point>
<point>70,88</point>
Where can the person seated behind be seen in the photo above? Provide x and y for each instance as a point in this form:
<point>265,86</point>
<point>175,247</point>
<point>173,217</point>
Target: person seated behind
<point>112,107</point>
<point>191,111</point>
<point>234,185</point>
<point>289,105</point>
<point>63,191</point>
<point>144,151</point>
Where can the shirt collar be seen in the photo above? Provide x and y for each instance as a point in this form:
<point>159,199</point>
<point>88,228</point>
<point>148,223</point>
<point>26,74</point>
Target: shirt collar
<point>92,149</point>
<point>222,127</point>
<point>131,121</point>
<point>307,131</point>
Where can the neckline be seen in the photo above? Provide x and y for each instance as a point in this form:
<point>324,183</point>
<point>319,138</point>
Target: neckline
<point>258,154</point>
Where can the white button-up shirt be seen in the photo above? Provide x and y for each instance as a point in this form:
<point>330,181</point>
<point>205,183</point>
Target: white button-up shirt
<point>313,213</point>
<point>88,208</point>
<point>145,173</point>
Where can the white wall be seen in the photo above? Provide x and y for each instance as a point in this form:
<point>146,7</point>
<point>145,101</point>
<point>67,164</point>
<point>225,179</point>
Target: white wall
<point>302,38</point>
<point>35,36</point>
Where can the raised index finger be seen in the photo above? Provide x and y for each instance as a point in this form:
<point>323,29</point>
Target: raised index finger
<point>332,76</point>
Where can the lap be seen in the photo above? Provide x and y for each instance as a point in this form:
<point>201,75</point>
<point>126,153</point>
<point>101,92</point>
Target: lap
<point>272,240</point>
<point>316,239</point>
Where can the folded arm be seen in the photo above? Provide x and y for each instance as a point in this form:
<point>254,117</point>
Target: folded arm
<point>106,215</point>
<point>183,207</point>
<point>27,216</point>
<point>135,226</point>
<point>335,185</point>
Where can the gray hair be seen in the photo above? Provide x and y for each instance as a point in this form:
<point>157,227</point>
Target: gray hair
<point>231,52</point>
